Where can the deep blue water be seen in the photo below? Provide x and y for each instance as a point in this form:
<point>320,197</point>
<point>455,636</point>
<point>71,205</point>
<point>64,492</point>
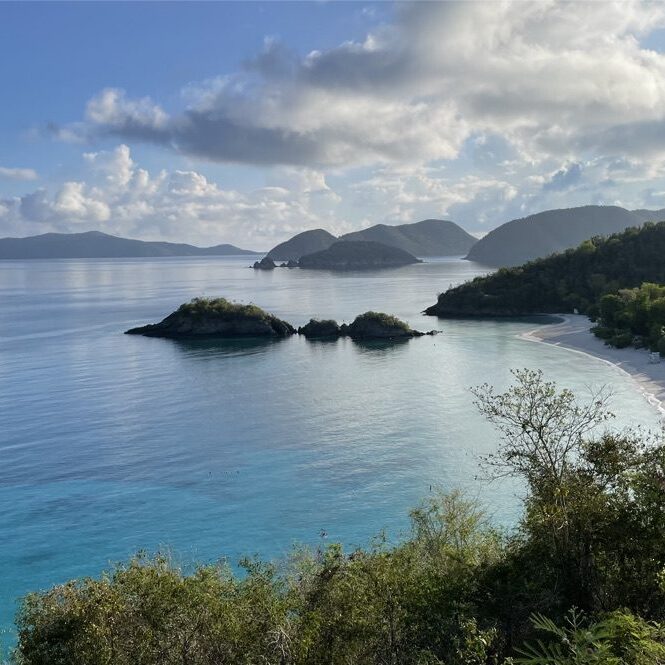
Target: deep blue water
<point>112,443</point>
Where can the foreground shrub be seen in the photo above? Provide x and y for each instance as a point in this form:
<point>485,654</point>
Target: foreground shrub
<point>454,592</point>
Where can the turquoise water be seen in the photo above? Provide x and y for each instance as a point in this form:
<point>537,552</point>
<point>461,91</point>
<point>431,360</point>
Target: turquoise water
<point>112,443</point>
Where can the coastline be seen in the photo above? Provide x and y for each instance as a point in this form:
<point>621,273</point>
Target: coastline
<point>573,334</point>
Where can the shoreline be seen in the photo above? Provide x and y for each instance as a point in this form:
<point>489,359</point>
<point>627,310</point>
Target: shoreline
<point>573,334</point>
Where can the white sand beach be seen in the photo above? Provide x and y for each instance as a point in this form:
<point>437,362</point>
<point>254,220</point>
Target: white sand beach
<point>574,334</point>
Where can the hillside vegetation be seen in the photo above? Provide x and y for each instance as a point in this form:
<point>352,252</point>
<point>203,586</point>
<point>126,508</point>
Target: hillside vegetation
<point>634,317</point>
<point>574,280</point>
<point>580,581</point>
<point>216,317</point>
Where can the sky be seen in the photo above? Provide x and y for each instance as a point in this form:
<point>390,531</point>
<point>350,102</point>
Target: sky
<point>249,122</point>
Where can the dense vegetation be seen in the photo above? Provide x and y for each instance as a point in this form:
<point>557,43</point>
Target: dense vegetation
<point>367,326</point>
<point>634,317</point>
<point>379,319</point>
<point>581,580</point>
<point>216,318</point>
<point>573,280</point>
<point>223,308</point>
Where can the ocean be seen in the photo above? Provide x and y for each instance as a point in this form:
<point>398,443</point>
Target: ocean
<point>112,444</point>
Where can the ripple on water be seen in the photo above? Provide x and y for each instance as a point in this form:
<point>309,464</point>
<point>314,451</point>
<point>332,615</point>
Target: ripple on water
<point>113,443</point>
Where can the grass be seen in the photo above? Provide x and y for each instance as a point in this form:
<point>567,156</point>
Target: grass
<point>222,307</point>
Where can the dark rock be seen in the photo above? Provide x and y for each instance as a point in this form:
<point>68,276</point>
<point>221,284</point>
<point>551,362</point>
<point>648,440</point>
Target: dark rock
<point>266,263</point>
<point>208,318</point>
<point>320,329</point>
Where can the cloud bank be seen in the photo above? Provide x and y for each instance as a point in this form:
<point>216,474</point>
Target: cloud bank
<point>553,79</point>
<point>122,198</point>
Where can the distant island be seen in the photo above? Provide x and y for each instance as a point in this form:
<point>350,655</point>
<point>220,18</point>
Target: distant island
<point>346,255</point>
<point>551,231</point>
<point>430,237</point>
<point>357,255</point>
<point>97,245</point>
<point>221,318</point>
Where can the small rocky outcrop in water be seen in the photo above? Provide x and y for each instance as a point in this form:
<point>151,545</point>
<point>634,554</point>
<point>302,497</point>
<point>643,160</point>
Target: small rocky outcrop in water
<point>216,317</point>
<point>376,325</point>
<point>367,326</point>
<point>266,263</point>
<point>316,329</point>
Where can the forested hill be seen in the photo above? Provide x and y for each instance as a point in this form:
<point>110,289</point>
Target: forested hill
<point>430,237</point>
<point>96,245</point>
<point>574,279</point>
<point>545,233</point>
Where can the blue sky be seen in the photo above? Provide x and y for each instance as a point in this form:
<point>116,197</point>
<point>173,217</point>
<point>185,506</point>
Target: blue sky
<point>248,122</point>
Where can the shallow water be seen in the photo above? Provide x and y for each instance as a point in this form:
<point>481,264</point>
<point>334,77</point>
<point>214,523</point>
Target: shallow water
<point>113,443</point>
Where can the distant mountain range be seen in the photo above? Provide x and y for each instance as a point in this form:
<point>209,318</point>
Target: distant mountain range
<point>545,233</point>
<point>510,244</point>
<point>431,237</point>
<point>97,245</point>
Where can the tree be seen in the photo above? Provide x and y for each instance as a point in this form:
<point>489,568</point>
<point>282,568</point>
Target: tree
<point>542,428</point>
<point>543,432</point>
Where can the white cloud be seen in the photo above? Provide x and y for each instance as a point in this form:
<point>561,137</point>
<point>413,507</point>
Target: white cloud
<point>18,174</point>
<point>121,198</point>
<point>551,78</point>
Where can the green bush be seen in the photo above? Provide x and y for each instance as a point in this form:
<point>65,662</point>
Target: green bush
<point>454,591</point>
<point>382,319</point>
<point>221,306</point>
<point>621,340</point>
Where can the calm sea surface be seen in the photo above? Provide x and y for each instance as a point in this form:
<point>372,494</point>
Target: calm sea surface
<point>112,443</point>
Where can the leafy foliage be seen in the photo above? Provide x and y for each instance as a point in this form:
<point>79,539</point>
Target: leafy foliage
<point>222,307</point>
<point>574,280</point>
<point>380,319</point>
<point>454,592</point>
<point>618,639</point>
<point>634,317</point>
